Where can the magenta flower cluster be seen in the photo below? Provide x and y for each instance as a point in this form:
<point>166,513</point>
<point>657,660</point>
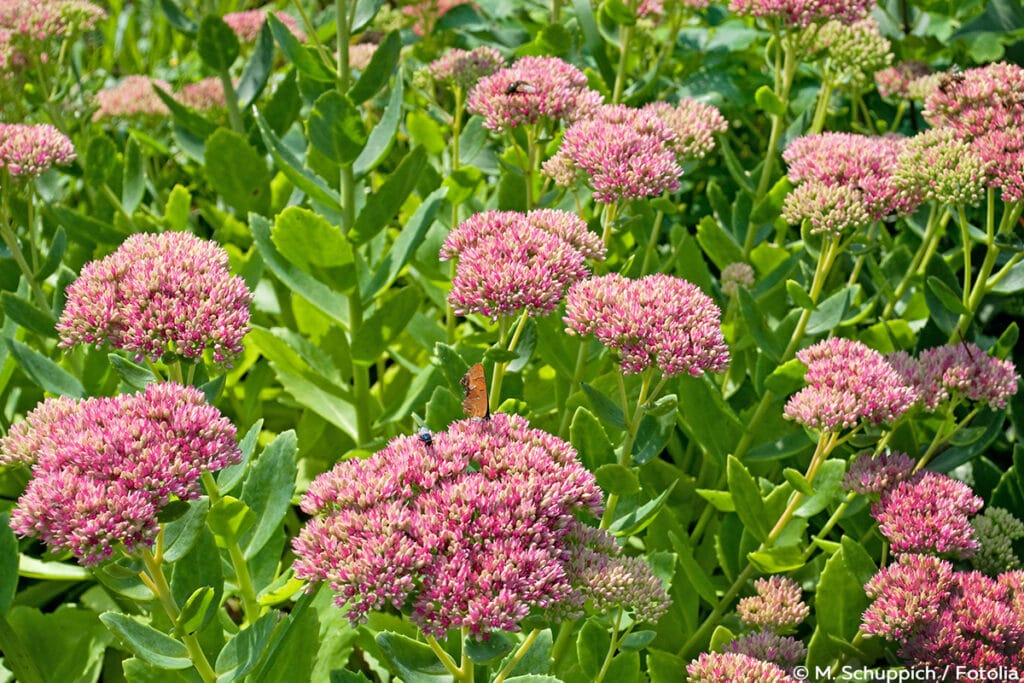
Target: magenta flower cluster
<point>802,13</point>
<point>510,261</point>
<point>132,96</point>
<point>159,293</point>
<point>248,24</point>
<point>959,371</point>
<point>861,162</point>
<point>471,530</point>
<point>983,106</point>
<point>847,383</point>
<point>658,320</point>
<point>32,149</point>
<point>943,617</point>
<point>463,68</point>
<point>622,153</point>
<point>532,90</point>
<point>103,468</point>
<point>732,667</point>
<point>928,513</point>
<point>869,474</point>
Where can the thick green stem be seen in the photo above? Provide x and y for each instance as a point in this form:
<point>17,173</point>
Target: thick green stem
<point>343,20</point>
<point>613,646</point>
<point>156,580</point>
<point>562,642</point>
<point>532,160</point>
<point>965,237</point>
<point>449,313</point>
<point>231,100</point>
<point>11,240</point>
<point>360,372</point>
<point>447,661</point>
<point>937,219</point>
<point>608,219</point>
<point>577,377</point>
<point>499,367</point>
<point>652,242</point>
<point>246,590</point>
<point>821,110</point>
<point>517,656</point>
<point>632,426</point>
<point>625,37</point>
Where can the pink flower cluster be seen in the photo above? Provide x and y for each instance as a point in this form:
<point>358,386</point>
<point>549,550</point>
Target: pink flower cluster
<point>943,617</point>
<point>731,667</point>
<point>533,89</point>
<point>463,68</point>
<point>133,96</point>
<point>203,95</point>
<point>768,646</point>
<point>894,81</point>
<point>983,106</point>
<point>32,149</point>
<point>862,162</point>
<point>471,530</point>
<point>159,293</point>
<point>39,20</point>
<point>622,153</point>
<point>247,25</point>
<point>959,371</point>
<point>426,13</point>
<point>510,261</point>
<point>778,605</point>
<point>694,123</point>
<point>103,468</point>
<point>832,210</point>
<point>658,320</point>
<point>928,513</point>
<point>869,475</point>
<point>735,276</point>
<point>803,13</point>
<point>939,165</point>
<point>855,50</point>
<point>848,383</point>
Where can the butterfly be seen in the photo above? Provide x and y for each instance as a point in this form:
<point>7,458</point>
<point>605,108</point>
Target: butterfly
<point>475,385</point>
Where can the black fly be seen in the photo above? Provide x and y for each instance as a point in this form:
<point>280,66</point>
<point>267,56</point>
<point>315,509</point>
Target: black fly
<point>517,87</point>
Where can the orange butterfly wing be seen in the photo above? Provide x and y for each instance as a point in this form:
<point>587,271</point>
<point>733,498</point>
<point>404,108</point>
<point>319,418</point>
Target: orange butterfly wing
<point>475,384</point>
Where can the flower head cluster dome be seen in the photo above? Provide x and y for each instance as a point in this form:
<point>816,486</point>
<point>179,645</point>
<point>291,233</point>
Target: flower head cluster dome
<point>874,474</point>
<point>40,20</point>
<point>203,95</point>
<point>694,123</point>
<point>103,468</point>
<point>769,646</point>
<point>928,514</point>
<point>962,371</point>
<point>996,530</point>
<point>828,209</point>
<point>32,149</point>
<point>471,530</point>
<point>463,68</point>
<point>938,165</point>
<point>894,81</point>
<point>803,13</point>
<point>942,617</point>
<point>247,25</point>
<point>731,667</point>
<point>847,383</point>
<point>531,90</point>
<point>159,293</point>
<point>133,96</point>
<point>861,162</point>
<point>622,153</point>
<point>778,605</point>
<point>510,261</point>
<point>855,49</point>
<point>658,320</point>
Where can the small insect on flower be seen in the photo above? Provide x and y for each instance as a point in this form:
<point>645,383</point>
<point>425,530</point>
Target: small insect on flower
<point>952,77</point>
<point>425,436</point>
<point>475,385</point>
<point>518,87</point>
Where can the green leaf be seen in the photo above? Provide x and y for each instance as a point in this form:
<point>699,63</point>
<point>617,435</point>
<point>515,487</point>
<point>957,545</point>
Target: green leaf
<point>268,489</point>
<point>335,128</point>
<point>720,500</point>
<point>180,535</point>
<point>592,36</point>
<point>384,326</point>
<point>229,518</point>
<point>179,19</point>
<point>830,312</point>
<point>414,661</point>
<point>719,638</point>
<point>31,568</point>
<point>790,444</point>
<point>257,69</point>
<point>100,160</point>
<point>379,70</point>
<point>178,207</point>
<point>828,488</point>
<point>636,521</point>
<point>44,372</point>
<point>589,438</point>
<point>65,645</point>
<point>950,300</point>
<point>8,563</point>
<point>754,317</point>
<point>706,418</point>
<point>606,409</point>
<point>592,645</point>
<point>786,378</point>
<point>405,246</point>
<point>317,247</point>
<point>617,479</point>
<point>237,172</point>
<point>486,651</point>
<point>652,436</point>
<point>625,668</point>
<point>695,574</point>
<point>326,300</point>
<point>858,560</point>
<point>770,206</point>
<point>799,295</point>
<point>198,610</point>
<point>28,316</point>
<point>365,11</point>
<point>216,43</point>
<point>839,603</point>
<point>133,184</point>
<point>1007,341</point>
<point>747,498</point>
<point>133,374</point>
<point>84,229</point>
<point>146,643</point>
<point>718,245</point>
<point>798,481</point>
<point>618,12</point>
<point>768,102</point>
<point>784,558</point>
<point>664,667</point>
<point>1000,16</point>
<point>384,204</point>
<point>191,122</point>
<point>289,657</point>
<point>305,60</point>
<point>382,137</point>
<point>287,163</point>
<point>229,477</point>
<point>241,653</point>
<point>425,131</point>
